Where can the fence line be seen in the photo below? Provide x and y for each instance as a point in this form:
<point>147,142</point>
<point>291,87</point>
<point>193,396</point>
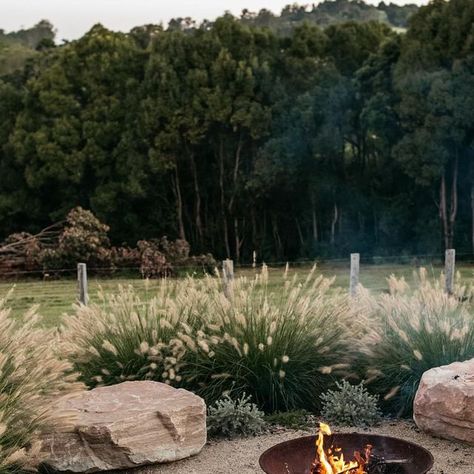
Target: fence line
<point>371,260</point>
<point>228,276</point>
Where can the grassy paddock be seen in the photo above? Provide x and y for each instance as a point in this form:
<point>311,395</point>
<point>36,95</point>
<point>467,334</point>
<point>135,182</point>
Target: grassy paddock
<point>55,297</point>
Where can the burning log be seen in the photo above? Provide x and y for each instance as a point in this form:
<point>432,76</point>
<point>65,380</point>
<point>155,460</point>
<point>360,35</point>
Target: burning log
<point>379,465</point>
<point>331,461</point>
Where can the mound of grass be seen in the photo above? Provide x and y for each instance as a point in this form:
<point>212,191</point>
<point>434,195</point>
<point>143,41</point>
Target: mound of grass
<point>30,375</point>
<point>409,332</point>
<point>279,346</point>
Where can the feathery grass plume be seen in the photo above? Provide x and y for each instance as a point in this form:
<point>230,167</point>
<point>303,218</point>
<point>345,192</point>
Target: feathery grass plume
<point>125,335</point>
<point>408,332</point>
<point>30,375</point>
<point>270,342</point>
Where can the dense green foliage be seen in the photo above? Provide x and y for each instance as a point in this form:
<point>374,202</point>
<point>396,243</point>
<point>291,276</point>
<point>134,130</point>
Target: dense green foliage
<point>237,138</point>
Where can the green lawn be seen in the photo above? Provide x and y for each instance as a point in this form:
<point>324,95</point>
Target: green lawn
<point>56,297</point>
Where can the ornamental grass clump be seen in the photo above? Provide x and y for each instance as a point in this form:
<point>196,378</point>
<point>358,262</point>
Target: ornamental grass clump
<point>124,338</point>
<point>410,331</point>
<point>30,376</point>
<point>280,346</point>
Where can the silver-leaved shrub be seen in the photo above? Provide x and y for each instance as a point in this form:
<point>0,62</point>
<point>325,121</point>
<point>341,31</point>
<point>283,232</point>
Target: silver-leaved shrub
<point>350,405</point>
<point>232,418</point>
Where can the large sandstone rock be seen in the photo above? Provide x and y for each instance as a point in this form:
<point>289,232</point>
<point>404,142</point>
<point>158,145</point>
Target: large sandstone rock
<point>444,403</point>
<point>126,425</point>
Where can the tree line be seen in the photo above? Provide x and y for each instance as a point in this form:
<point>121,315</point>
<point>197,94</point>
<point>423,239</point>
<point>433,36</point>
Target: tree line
<point>318,142</point>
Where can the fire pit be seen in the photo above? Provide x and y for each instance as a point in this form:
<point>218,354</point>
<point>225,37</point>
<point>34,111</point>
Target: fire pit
<point>327,454</point>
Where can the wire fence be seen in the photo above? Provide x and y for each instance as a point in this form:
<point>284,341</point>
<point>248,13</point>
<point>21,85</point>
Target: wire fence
<point>178,268</point>
<point>56,291</point>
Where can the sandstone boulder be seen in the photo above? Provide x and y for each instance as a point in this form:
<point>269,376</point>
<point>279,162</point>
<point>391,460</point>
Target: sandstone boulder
<point>444,403</point>
<point>124,426</point>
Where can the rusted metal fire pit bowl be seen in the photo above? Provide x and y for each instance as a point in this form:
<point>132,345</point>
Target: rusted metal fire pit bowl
<point>296,456</point>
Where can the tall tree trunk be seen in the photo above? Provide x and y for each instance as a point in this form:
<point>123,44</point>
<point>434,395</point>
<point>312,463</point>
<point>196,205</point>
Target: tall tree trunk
<point>314,221</point>
<point>376,226</point>
<point>472,216</point>
<point>300,232</point>
<point>276,237</point>
<point>238,241</point>
<point>453,208</point>
<point>361,220</point>
<point>314,218</point>
<point>197,200</point>
<point>263,241</point>
<point>235,176</point>
<point>448,219</point>
<point>253,219</point>
<point>179,202</point>
<point>222,197</point>
<point>442,209</point>
<point>333,224</point>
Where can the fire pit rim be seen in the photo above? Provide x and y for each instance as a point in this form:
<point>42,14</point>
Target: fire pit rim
<point>416,445</point>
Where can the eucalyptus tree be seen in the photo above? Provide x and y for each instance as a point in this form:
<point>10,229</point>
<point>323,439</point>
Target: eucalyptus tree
<point>434,77</point>
<point>174,114</point>
<point>239,113</point>
<point>73,138</point>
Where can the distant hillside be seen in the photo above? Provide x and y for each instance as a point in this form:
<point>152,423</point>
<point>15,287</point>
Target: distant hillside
<point>331,12</point>
<point>19,46</point>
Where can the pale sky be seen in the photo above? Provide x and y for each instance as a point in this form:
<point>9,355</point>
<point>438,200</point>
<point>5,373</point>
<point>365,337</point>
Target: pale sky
<point>73,18</point>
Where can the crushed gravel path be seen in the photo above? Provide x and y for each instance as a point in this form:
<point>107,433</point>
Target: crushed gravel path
<point>241,456</point>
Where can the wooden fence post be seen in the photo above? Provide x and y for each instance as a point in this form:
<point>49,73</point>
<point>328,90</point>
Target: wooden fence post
<point>354,280</point>
<point>83,296</point>
<point>449,265</point>
<point>254,262</point>
<point>228,277</point>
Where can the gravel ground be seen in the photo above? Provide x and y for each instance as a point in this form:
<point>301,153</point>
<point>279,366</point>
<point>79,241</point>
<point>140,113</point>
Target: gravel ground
<point>241,456</point>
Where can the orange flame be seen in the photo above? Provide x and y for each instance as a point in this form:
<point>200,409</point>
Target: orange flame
<point>333,461</point>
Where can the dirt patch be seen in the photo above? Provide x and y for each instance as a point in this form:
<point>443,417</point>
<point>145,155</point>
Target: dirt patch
<point>241,456</point>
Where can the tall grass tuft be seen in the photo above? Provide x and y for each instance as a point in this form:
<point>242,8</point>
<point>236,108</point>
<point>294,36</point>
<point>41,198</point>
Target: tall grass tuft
<point>280,346</point>
<point>410,331</point>
<point>30,375</point>
<point>124,338</point>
